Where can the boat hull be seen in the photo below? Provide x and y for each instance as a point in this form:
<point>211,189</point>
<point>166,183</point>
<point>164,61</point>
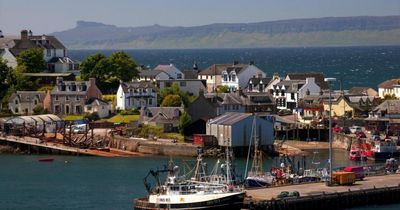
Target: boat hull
<point>384,155</point>
<point>232,202</point>
<point>256,183</point>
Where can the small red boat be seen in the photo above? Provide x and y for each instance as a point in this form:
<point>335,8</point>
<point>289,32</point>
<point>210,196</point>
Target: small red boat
<point>47,159</point>
<point>357,154</point>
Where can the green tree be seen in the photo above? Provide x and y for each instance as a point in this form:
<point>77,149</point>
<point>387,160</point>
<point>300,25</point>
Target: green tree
<point>32,60</point>
<point>4,73</point>
<point>39,110</point>
<point>88,66</point>
<point>389,97</point>
<point>171,101</point>
<point>184,121</point>
<point>223,89</point>
<point>173,90</point>
<point>122,67</point>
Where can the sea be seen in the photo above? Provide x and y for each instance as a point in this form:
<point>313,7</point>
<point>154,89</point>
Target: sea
<point>97,183</point>
<point>353,66</point>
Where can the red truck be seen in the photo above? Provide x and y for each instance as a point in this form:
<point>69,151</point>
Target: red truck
<point>358,170</point>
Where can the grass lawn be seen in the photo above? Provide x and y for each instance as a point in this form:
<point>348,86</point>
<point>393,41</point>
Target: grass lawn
<point>73,117</point>
<point>123,118</point>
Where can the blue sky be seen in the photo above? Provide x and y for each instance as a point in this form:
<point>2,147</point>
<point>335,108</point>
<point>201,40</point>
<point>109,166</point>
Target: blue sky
<point>46,16</point>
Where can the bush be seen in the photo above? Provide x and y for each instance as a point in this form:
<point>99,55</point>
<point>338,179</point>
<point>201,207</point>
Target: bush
<point>172,101</point>
<point>92,116</point>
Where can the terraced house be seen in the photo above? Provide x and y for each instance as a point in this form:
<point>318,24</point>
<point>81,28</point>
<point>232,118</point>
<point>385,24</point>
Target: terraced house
<point>70,97</point>
<point>134,95</point>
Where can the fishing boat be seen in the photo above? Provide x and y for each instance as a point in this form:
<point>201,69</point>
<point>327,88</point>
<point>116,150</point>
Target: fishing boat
<point>46,159</point>
<point>357,154</point>
<point>256,177</point>
<point>384,149</point>
<point>196,192</point>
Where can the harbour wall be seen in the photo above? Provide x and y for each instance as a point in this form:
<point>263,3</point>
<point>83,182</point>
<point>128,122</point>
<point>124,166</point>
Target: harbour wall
<point>343,141</point>
<point>340,200</point>
<point>153,147</point>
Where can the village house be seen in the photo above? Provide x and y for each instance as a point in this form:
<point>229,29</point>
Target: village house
<point>134,95</point>
<point>319,78</point>
<point>366,91</point>
<point>262,84</point>
<point>384,117</point>
<point>287,93</point>
<point>54,52</point>
<point>98,106</point>
<point>235,130</point>
<point>70,97</point>
<point>235,76</point>
<point>190,86</point>
<point>389,87</point>
<point>24,102</point>
<point>352,106</point>
<point>161,72</point>
<point>165,117</point>
<point>258,102</point>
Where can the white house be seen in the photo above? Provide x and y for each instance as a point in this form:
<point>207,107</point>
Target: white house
<point>161,72</point>
<point>171,70</point>
<point>53,50</point>
<point>235,76</point>
<point>95,105</point>
<point>287,93</point>
<point>389,87</point>
<point>190,86</point>
<point>134,95</point>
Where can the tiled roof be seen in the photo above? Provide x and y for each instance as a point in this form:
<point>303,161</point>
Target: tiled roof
<point>257,80</point>
<point>190,74</point>
<point>390,106</point>
<point>389,83</point>
<point>161,114</point>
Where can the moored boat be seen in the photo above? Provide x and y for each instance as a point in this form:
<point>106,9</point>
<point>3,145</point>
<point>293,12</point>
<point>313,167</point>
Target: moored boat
<point>46,159</point>
<point>383,150</point>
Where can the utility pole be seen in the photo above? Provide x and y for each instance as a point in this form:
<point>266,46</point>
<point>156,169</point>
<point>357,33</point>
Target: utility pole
<point>330,81</point>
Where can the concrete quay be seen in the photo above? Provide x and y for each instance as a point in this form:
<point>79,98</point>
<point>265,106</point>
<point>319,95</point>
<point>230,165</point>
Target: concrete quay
<point>36,144</point>
<point>373,190</point>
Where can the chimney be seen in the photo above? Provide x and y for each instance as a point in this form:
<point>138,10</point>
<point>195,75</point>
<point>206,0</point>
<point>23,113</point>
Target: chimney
<point>251,63</point>
<point>235,62</point>
<point>1,34</point>
<point>24,34</point>
<point>92,81</point>
<point>30,33</point>
<point>310,79</point>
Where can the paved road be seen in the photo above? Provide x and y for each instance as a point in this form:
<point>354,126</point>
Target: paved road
<point>319,188</point>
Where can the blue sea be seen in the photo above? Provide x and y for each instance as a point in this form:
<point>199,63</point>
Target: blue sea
<point>98,183</point>
<point>355,66</point>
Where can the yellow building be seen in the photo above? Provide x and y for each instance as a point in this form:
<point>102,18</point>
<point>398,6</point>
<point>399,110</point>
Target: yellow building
<point>354,106</point>
<point>340,106</point>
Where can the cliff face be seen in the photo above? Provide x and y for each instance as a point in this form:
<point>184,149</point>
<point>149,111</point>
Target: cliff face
<point>333,31</point>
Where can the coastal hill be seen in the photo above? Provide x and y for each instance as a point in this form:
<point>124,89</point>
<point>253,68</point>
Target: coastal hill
<point>329,31</point>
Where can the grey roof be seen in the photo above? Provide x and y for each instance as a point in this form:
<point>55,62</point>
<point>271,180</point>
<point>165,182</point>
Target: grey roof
<point>258,80</point>
<point>16,45</point>
<point>251,98</point>
<point>45,118</point>
<point>319,78</point>
<point>163,67</point>
<point>151,73</point>
<point>138,84</point>
<point>231,98</point>
<point>390,106</point>
<point>43,74</point>
<point>217,69</point>
<point>161,114</point>
<point>61,60</point>
<point>27,96</point>
<point>291,85</point>
<point>7,42</point>
<point>190,74</point>
<point>229,118</point>
<point>96,101</point>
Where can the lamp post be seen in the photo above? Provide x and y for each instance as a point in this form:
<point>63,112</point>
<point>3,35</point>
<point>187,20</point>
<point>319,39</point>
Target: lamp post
<point>330,81</point>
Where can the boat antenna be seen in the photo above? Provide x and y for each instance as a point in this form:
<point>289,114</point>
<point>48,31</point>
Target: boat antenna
<point>249,150</point>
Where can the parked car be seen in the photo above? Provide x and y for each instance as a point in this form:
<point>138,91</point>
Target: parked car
<point>355,129</point>
<point>346,130</point>
<point>361,135</point>
<point>358,170</point>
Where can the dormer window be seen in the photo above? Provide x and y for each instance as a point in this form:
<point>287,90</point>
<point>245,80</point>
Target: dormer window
<point>225,77</point>
<point>233,77</point>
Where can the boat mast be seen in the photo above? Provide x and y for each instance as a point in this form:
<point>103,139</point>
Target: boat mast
<point>256,167</point>
<point>227,163</point>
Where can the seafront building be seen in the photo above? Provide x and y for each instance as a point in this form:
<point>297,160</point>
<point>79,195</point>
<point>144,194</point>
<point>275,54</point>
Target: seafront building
<point>389,87</point>
<point>234,76</point>
<point>136,94</point>
<point>54,52</point>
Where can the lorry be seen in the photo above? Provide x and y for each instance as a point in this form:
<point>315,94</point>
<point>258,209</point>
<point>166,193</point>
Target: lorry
<point>343,178</point>
<point>357,170</point>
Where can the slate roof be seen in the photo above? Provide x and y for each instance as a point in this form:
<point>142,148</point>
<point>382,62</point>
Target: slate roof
<point>161,114</point>
<point>27,96</point>
<point>390,106</point>
<point>96,101</point>
<point>139,84</point>
<point>257,80</point>
<point>217,69</point>
<point>319,78</point>
<point>230,118</point>
<point>17,45</point>
<point>291,86</point>
<point>190,74</point>
<point>389,83</point>
<point>61,60</point>
<point>151,73</point>
<point>251,98</point>
<point>7,42</point>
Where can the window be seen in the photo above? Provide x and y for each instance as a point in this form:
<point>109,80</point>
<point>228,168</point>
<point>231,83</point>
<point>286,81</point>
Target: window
<point>67,98</point>
<point>16,101</point>
<point>35,102</point>
<point>183,84</point>
<point>225,77</point>
<point>48,52</point>
<point>292,96</point>
<point>282,93</point>
<point>179,76</point>
<point>16,110</point>
<point>56,98</point>
<point>78,109</point>
<point>89,108</point>
<point>66,109</point>
<point>150,101</point>
<point>233,78</point>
